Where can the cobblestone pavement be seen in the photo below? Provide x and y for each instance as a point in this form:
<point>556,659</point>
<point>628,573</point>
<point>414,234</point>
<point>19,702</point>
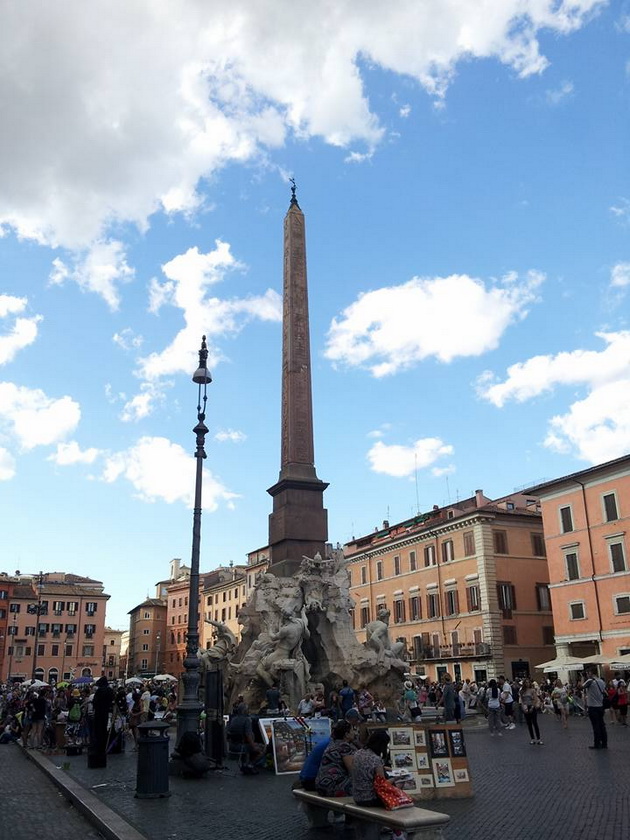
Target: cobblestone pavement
<point>522,792</point>
<point>31,807</point>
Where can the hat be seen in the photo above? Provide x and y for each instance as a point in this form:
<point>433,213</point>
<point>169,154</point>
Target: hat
<point>76,692</point>
<point>352,716</point>
<point>408,684</point>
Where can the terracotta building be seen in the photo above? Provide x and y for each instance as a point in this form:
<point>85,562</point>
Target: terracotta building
<point>147,634</point>
<point>55,626</point>
<point>465,585</point>
<point>586,517</point>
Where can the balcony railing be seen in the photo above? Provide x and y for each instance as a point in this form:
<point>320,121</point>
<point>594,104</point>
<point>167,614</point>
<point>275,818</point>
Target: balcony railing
<point>468,650</point>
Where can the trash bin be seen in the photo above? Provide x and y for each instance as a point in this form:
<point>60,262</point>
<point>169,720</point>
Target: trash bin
<point>152,771</point>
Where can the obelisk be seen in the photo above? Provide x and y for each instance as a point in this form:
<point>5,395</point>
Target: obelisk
<point>298,525</point>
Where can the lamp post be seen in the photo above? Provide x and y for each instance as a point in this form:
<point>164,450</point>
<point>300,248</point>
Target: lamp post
<point>12,646</point>
<point>157,653</point>
<point>37,609</point>
<point>189,710</point>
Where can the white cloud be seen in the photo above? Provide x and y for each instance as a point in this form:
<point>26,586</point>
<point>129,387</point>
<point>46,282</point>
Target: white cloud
<point>7,465</point>
<point>405,111</point>
<point>401,461</point>
<point>127,339</point>
<point>232,435</point>
<point>33,419</point>
<point>620,275</point>
<point>108,127</point>
<point>189,277</point>
<point>596,428</point>
<point>393,328</point>
<point>160,470</point>
<point>70,453</point>
<point>380,432</point>
<point>621,210</point>
<point>101,269</point>
<point>440,472</point>
<point>557,95</point>
<point>23,331</point>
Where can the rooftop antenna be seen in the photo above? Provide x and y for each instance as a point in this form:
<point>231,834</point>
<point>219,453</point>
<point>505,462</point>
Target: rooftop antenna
<point>415,467</point>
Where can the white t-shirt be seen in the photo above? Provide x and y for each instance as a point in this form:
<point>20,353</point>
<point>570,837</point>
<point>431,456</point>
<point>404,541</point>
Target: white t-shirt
<point>506,693</point>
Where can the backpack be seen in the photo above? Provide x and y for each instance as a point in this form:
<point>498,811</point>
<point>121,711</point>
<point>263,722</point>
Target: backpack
<point>74,715</point>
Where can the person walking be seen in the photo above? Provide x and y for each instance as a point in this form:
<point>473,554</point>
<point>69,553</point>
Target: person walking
<point>560,698</point>
<point>530,705</point>
<point>449,698</point>
<point>492,700</point>
<point>507,700</point>
<point>594,693</point>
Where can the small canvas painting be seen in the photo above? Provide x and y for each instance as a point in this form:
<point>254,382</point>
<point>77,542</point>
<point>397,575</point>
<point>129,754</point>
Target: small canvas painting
<point>461,775</point>
<point>403,759</point>
<point>426,781</point>
<point>443,772</point>
<point>458,747</point>
<point>401,737</point>
<point>422,760</point>
<point>437,739</point>
<point>420,738</point>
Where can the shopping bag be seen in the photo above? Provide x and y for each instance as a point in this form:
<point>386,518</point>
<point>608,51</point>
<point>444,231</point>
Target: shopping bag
<point>392,797</point>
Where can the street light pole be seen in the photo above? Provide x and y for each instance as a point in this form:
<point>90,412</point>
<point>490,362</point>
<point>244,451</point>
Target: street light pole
<point>189,710</point>
<point>157,653</point>
<point>12,646</point>
<point>38,610</point>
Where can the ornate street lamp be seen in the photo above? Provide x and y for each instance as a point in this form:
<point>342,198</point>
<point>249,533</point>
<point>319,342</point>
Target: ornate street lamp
<point>36,609</point>
<point>189,710</point>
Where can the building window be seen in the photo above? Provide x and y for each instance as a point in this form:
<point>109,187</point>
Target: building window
<point>72,607</point>
<point>146,632</point>
<point>91,606</point>
<point>68,650</point>
<point>365,616</point>
<point>577,611</point>
<point>469,544</point>
<point>412,561</point>
<point>144,664</point>
<point>41,650</point>
<point>509,635</point>
<point>451,599</point>
<point>507,598</point>
<point>3,594</point>
<point>433,605</point>
<point>58,607</point>
<point>379,570</point>
<point>500,542</point>
<point>447,551</point>
<point>573,567</point>
<point>617,559</point>
<point>71,629</point>
<point>363,574</point>
<point>473,600</point>
<point>622,604</point>
<point>548,635</point>
<point>542,596</point>
<point>429,555</point>
<point>610,507</point>
<point>397,564</point>
<point>14,608</point>
<point>145,647</point>
<point>209,601</point>
<point>223,614</point>
<point>399,611</point>
<point>415,609</point>
<point>88,650</point>
<point>538,545</point>
<point>566,519</point>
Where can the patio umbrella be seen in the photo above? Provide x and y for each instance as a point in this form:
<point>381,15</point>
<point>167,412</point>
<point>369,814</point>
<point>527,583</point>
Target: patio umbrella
<point>63,684</point>
<point>35,684</point>
<point>597,659</point>
<point>165,678</point>
<point>565,663</point>
<point>620,663</point>
<point>83,680</point>
<point>133,681</point>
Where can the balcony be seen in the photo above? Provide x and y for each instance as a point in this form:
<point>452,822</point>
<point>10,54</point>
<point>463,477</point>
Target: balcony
<point>468,650</point>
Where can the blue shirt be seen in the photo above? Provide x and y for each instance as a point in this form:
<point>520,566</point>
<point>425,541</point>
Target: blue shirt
<point>313,760</point>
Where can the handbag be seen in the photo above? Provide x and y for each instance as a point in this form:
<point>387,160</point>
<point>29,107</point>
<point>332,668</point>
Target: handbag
<point>392,797</point>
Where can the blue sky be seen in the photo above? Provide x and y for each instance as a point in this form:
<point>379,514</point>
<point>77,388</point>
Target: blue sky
<point>464,172</point>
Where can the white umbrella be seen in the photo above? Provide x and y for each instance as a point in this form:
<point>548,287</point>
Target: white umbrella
<point>133,681</point>
<point>564,663</point>
<point>35,684</point>
<point>165,678</point>
<point>620,663</point>
<point>597,659</point>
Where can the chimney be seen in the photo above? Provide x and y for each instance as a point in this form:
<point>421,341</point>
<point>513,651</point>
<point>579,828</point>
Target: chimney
<point>479,498</point>
<point>385,523</point>
<point>175,564</point>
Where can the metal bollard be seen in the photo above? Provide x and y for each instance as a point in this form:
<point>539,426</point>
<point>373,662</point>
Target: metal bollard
<point>152,771</point>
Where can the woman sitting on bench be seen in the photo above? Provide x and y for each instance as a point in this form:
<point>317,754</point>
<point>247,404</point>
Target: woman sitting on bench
<point>368,763</point>
<point>333,777</point>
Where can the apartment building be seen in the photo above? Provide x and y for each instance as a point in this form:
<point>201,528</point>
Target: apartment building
<point>54,625</point>
<point>147,635</point>
<point>112,645</point>
<point>466,586</point>
<point>586,516</point>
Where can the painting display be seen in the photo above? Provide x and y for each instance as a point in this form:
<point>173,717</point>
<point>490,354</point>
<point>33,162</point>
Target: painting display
<point>289,745</point>
<point>443,772</point>
<point>456,741</point>
<point>438,743</point>
<point>401,737</point>
<point>403,759</point>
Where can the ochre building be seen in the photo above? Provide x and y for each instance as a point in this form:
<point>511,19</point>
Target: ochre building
<point>466,586</point>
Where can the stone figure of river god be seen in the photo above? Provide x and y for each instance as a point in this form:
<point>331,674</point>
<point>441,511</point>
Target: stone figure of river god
<point>377,637</point>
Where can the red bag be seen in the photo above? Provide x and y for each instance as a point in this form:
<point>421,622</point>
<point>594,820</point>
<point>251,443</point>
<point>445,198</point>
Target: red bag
<point>392,797</point>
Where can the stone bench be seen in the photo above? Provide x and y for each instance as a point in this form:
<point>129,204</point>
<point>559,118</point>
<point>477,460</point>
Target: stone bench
<point>417,823</point>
